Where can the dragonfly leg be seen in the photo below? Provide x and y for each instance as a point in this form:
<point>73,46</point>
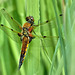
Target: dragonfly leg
<point>30,39</point>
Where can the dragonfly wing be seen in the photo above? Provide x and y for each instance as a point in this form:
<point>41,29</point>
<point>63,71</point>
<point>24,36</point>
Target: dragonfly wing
<point>11,33</point>
<point>49,41</point>
<point>11,21</point>
<point>36,46</point>
<point>25,43</point>
<point>48,24</point>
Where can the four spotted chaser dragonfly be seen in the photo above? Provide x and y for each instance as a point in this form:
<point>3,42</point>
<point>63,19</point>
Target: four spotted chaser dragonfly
<point>23,33</point>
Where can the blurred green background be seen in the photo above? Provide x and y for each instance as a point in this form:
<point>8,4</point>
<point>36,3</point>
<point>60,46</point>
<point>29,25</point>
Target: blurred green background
<point>53,57</point>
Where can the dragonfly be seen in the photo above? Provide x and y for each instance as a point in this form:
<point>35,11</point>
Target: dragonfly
<point>22,33</point>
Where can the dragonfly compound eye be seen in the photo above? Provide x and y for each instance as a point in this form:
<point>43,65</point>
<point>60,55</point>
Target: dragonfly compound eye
<point>32,19</point>
<point>27,18</point>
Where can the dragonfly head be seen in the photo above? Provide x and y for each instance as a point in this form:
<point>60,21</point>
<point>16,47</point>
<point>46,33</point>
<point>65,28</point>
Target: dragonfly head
<point>30,19</point>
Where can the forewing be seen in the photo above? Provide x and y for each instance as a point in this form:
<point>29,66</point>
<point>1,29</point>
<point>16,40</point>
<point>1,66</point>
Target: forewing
<point>45,25</point>
<point>13,23</point>
<point>11,33</point>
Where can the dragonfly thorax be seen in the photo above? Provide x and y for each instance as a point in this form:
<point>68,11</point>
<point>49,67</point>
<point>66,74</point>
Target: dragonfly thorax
<point>25,32</point>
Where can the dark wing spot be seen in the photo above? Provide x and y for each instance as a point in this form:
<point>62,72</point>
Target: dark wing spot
<point>19,34</point>
<point>2,25</point>
<point>12,29</point>
<point>44,36</point>
<point>61,15</point>
<point>3,9</point>
<point>11,18</point>
<point>47,21</point>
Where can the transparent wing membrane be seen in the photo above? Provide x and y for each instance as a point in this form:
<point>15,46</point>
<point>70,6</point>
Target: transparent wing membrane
<point>47,25</point>
<point>37,45</point>
<point>11,33</point>
<point>48,21</point>
<point>13,23</point>
<point>48,41</point>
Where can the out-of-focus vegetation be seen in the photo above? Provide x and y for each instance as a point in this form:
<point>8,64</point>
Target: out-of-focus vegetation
<point>53,57</point>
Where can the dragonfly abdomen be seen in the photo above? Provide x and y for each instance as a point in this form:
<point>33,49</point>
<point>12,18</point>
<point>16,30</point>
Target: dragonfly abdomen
<point>24,50</point>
